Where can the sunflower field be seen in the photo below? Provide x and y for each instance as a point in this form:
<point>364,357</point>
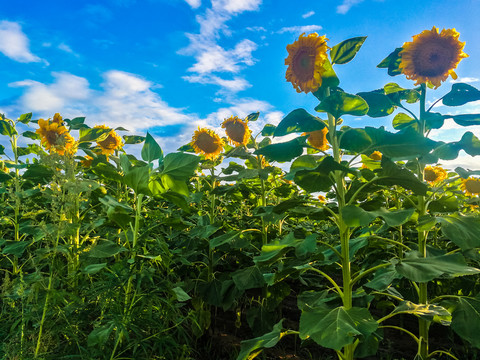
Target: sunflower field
<point>308,240</point>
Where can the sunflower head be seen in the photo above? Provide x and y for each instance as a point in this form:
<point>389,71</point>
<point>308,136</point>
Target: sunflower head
<point>305,60</point>
<point>87,161</point>
<point>471,186</point>
<point>237,130</point>
<point>432,56</point>
<point>57,119</point>
<point>322,198</point>
<point>206,142</point>
<point>434,174</point>
<point>318,139</point>
<point>55,137</point>
<point>376,155</point>
<point>111,143</point>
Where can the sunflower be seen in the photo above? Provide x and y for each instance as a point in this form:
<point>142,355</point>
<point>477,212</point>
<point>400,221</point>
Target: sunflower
<point>471,186</point>
<point>434,174</point>
<point>55,137</point>
<point>432,56</point>
<point>237,130</point>
<point>376,155</point>
<point>305,60</point>
<point>322,198</point>
<point>206,142</point>
<point>87,161</point>
<point>318,139</point>
<point>57,119</point>
<point>111,143</point>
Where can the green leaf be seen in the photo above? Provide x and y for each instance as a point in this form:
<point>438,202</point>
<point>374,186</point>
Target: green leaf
<point>151,150</point>
<point>106,171</point>
<point>403,121</point>
<point>253,347</point>
<point>465,174</point>
<point>77,123</point>
<point>462,230</point>
<point>7,129</point>
<point>356,216</point>
<point>434,120</point>
<point>466,320</point>
<point>465,119</point>
<point>428,312</point>
<point>180,165</point>
<point>268,130</point>
<point>99,336</point>
<point>392,62</point>
<point>383,278</point>
<point>356,140</point>
<point>336,328</point>
<point>224,239</point>
<point>248,278</point>
<point>181,294</point>
<point>345,51</point>
<point>449,151</point>
<point>392,174</point>
<point>252,117</point>
<point>420,269</point>
<point>397,94</point>
<point>176,185</point>
<point>137,178</point>
<point>31,135</point>
<point>105,248</point>
<point>340,103</point>
<point>93,268</point>
<point>282,152</point>
<point>298,120</point>
<point>2,150</point>
<point>329,80</point>
<point>16,248</point>
<point>133,139</point>
<point>25,118</point>
<point>461,94</point>
<point>38,173</point>
<point>379,104</point>
<point>93,134</point>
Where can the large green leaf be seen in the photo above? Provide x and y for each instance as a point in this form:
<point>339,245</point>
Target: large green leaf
<point>224,239</point>
<point>7,129</point>
<point>180,165</point>
<point>420,269</point>
<point>318,179</point>
<point>329,80</point>
<point>93,134</point>
<point>250,349</point>
<point>403,121</point>
<point>466,320</point>
<point>379,104</point>
<point>282,152</point>
<point>345,51</point>
<point>25,118</point>
<point>298,120</point>
<point>397,94</point>
<point>465,119</point>
<point>248,278</point>
<point>428,312</point>
<point>461,94</point>
<point>151,150</point>
<point>356,216</point>
<point>392,174</point>
<point>341,103</point>
<point>463,230</point>
<point>137,178</point>
<point>392,62</point>
<point>105,248</point>
<point>252,117</point>
<point>336,328</point>
<point>449,151</point>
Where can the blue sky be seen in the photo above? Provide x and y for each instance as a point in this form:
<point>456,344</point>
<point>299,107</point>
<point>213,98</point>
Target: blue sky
<point>173,65</point>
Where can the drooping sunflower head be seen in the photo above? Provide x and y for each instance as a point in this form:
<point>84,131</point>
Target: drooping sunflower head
<point>57,119</point>
<point>237,130</point>
<point>305,60</point>
<point>111,143</point>
<point>432,56</point>
<point>318,139</point>
<point>434,174</point>
<point>207,142</point>
<point>55,137</point>
<point>471,186</point>
<point>376,155</point>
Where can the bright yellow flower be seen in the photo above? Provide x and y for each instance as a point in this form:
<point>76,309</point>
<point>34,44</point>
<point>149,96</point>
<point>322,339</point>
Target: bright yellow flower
<point>111,143</point>
<point>318,139</point>
<point>434,174</point>
<point>322,199</point>
<point>471,186</point>
<point>206,142</point>
<point>57,119</point>
<point>87,161</point>
<point>432,56</point>
<point>237,130</point>
<point>376,155</point>
<point>55,137</point>
<point>305,60</point>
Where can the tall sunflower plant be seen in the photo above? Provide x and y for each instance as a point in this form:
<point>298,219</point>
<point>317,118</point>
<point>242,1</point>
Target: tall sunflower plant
<point>386,191</point>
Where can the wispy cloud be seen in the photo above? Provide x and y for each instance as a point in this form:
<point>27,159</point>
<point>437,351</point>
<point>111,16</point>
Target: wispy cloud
<point>233,85</point>
<point>236,6</point>
<point>14,43</point>
<point>465,80</point>
<point>67,49</point>
<point>300,29</point>
<point>346,5</point>
<point>194,3</point>
<point>308,14</point>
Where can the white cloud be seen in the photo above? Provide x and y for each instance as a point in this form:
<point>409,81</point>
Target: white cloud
<point>14,43</point>
<point>67,49</point>
<point>346,5</point>
<point>256,28</point>
<point>465,80</point>
<point>308,14</point>
<point>194,3</point>
<point>300,29</point>
<point>234,85</point>
<point>236,6</point>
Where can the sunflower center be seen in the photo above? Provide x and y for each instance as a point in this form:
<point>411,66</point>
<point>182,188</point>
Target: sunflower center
<point>435,58</point>
<point>108,143</point>
<point>235,131</point>
<point>206,143</point>
<point>303,64</point>
<point>473,186</point>
<point>51,137</point>
<point>430,175</point>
